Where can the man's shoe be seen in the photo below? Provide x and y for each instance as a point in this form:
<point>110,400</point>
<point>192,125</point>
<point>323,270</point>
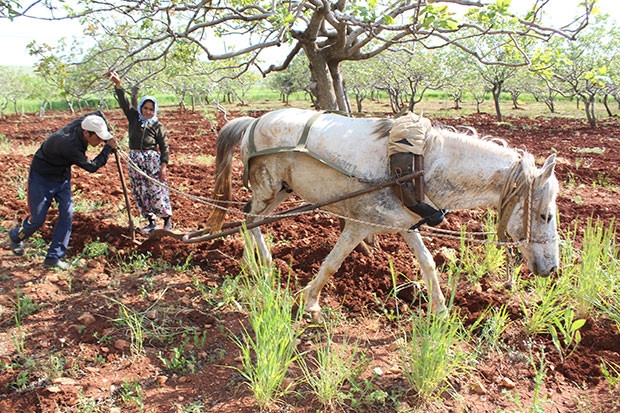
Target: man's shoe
<point>47,263</point>
<point>17,247</point>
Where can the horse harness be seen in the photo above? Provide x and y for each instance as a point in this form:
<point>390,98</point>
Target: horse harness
<point>405,158</point>
<point>516,186</point>
<point>405,152</point>
<point>302,147</point>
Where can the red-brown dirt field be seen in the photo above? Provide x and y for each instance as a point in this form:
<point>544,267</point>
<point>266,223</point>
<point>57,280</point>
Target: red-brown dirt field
<point>95,369</point>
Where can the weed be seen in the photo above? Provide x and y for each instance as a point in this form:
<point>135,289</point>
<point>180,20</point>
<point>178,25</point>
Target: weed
<point>205,160</point>
<point>84,204</point>
<point>19,183</point>
<point>88,405</point>
<point>475,263</point>
<point>133,321</point>
<point>5,143</point>
<point>333,365</point>
<point>197,339</point>
<point>492,323</point>
<point>595,279</point>
<point>131,393</point>
<point>596,150</point>
<point>105,339</point>
<point>568,328</point>
<point>194,407</point>
<point>537,401</point>
<point>431,354</point>
<point>54,368</point>
<point>178,362</point>
<point>611,372</point>
<point>186,264</point>
<point>99,360</point>
<point>135,262</point>
<point>220,296</point>
<point>365,393</point>
<point>571,180</point>
<point>602,179</point>
<point>547,315</point>
<point>21,380</point>
<point>540,371</point>
<point>267,351</point>
<point>23,306</point>
<point>94,249</point>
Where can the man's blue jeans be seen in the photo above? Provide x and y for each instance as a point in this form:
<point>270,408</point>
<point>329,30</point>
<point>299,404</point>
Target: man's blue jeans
<point>41,192</point>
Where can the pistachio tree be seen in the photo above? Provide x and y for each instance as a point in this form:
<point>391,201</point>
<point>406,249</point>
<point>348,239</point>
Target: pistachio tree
<point>295,79</point>
<point>581,68</point>
<point>362,80</point>
<point>13,84</point>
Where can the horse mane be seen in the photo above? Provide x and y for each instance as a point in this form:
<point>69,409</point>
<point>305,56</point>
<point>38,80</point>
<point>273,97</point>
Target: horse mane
<point>469,139</point>
<point>382,128</point>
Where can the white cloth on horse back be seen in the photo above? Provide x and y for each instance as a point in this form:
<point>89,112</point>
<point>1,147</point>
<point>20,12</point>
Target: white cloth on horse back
<point>412,128</point>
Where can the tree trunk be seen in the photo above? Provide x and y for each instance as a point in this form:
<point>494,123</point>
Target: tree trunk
<point>358,101</point>
<point>607,105</point>
<point>497,90</point>
<point>322,82</point>
<point>589,107</point>
<point>342,102</point>
<point>515,99</point>
<point>42,107</point>
<point>549,104</point>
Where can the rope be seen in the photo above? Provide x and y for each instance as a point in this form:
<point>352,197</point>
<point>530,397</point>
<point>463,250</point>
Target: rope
<point>434,232</point>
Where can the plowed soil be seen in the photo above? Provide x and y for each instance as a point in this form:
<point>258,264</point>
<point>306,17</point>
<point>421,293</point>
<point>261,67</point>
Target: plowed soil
<point>74,329</point>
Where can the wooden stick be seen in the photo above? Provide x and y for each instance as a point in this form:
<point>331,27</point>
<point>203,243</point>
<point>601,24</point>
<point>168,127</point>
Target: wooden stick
<point>127,204</point>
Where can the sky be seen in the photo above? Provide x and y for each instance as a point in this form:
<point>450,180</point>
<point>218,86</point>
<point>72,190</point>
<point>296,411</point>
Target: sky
<point>15,35</point>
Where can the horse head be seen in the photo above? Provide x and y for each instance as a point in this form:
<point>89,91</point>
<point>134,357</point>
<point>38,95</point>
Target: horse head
<point>533,222</point>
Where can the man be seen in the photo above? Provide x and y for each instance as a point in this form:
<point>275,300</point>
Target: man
<point>50,178</point>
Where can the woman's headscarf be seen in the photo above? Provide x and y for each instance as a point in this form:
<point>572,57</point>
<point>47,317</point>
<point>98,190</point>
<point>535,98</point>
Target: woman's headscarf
<point>142,118</point>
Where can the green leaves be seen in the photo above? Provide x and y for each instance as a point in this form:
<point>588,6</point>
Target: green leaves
<point>438,17</point>
<point>367,11</point>
<point>494,14</point>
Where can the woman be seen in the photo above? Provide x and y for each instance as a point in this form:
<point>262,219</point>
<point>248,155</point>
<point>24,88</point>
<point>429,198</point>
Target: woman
<point>149,151</point>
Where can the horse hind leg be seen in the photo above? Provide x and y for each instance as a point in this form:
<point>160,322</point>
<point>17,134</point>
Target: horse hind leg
<point>351,236</point>
<point>267,193</point>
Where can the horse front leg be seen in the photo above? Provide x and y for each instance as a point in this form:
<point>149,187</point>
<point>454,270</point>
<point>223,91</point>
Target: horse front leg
<point>349,239</point>
<point>428,270</point>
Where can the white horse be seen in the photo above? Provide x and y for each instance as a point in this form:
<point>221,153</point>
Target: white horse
<point>337,155</point>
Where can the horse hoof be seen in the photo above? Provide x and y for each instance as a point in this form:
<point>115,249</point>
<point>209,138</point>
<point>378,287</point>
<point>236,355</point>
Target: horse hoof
<point>315,316</point>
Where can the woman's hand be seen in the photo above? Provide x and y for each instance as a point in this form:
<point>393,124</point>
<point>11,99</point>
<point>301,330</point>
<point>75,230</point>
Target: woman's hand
<point>163,172</point>
<point>114,78</point>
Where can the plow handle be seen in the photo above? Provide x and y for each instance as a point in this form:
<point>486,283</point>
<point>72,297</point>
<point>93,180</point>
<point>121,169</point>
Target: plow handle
<point>127,204</point>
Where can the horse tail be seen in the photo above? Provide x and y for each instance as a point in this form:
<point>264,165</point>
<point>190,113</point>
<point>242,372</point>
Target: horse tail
<point>228,138</point>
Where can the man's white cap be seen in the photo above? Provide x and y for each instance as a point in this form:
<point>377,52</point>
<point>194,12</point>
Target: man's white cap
<point>94,123</point>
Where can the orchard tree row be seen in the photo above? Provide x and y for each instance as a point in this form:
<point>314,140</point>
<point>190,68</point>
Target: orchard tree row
<point>337,52</point>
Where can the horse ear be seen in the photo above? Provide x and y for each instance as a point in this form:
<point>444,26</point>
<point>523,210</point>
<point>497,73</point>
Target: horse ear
<point>547,168</point>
